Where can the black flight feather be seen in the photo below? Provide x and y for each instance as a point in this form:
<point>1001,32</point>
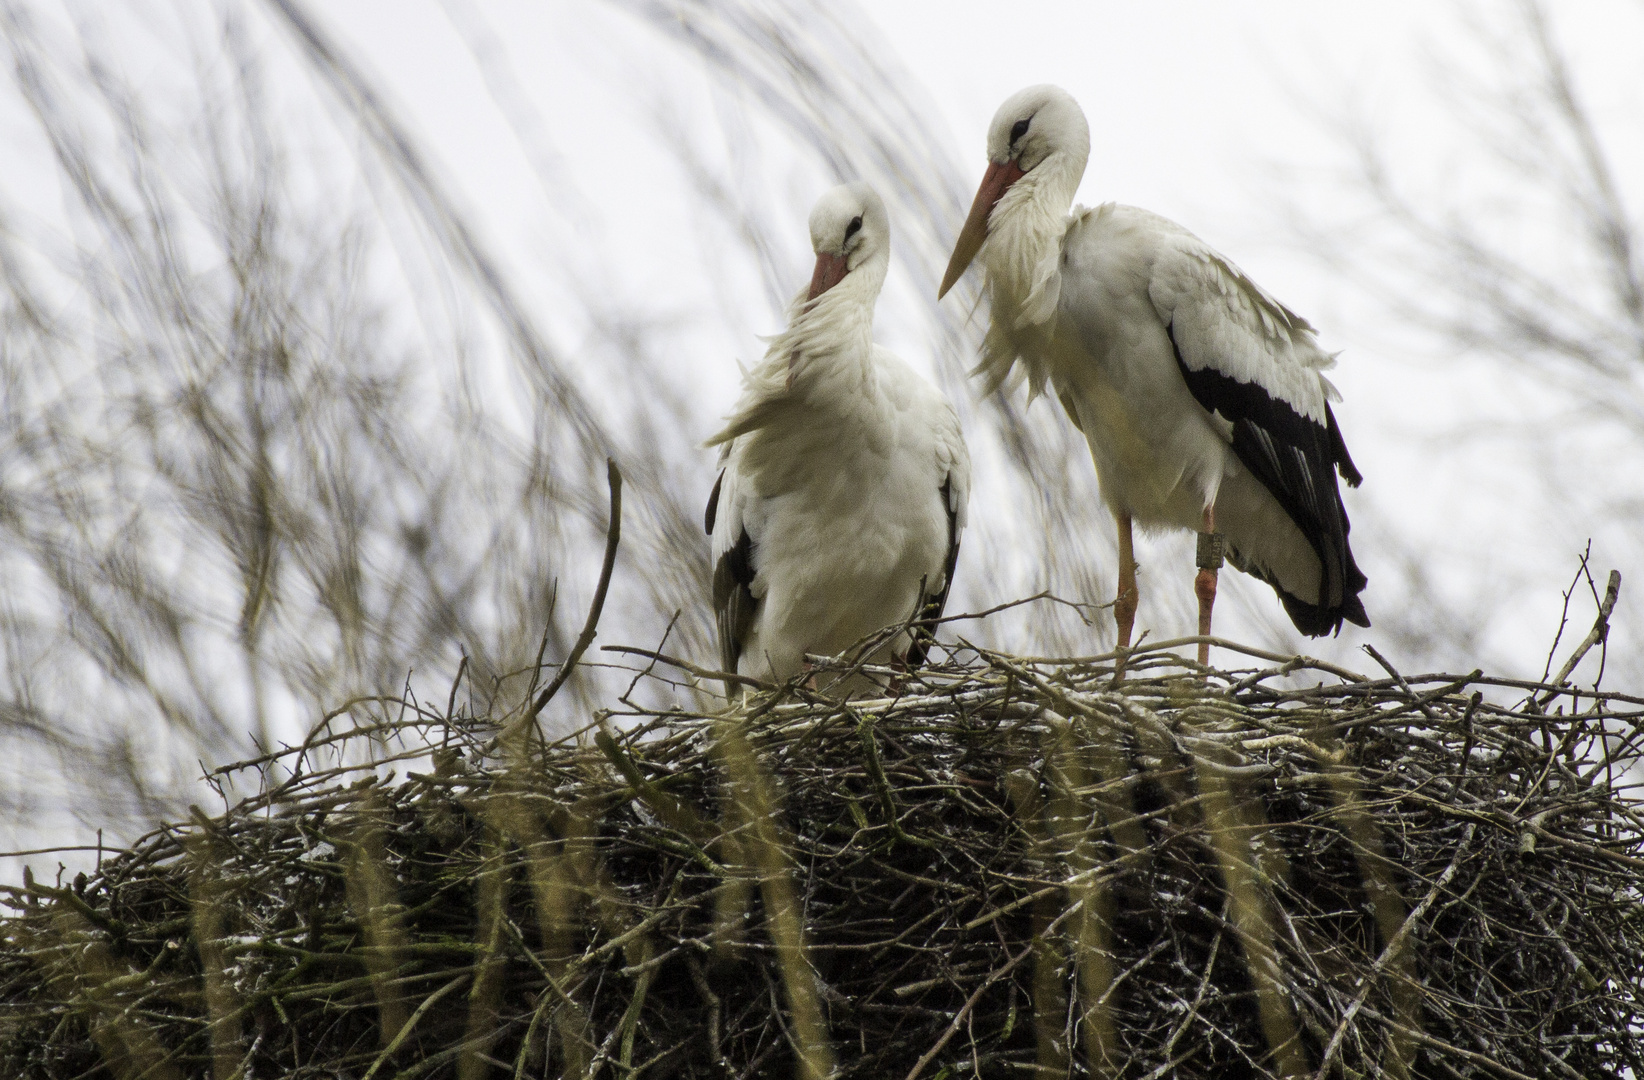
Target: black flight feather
<point>1296,459</point>
<point>734,603</point>
<point>925,636</point>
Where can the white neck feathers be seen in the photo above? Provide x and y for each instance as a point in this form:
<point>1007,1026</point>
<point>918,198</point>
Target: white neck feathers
<point>821,363</point>
<point>1022,257</point>
<point>831,335</point>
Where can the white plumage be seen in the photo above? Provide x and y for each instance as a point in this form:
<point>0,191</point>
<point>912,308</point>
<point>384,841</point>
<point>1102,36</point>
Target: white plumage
<point>842,495</point>
<point>1201,397</point>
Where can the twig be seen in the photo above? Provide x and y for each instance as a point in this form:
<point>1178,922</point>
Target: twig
<point>690,668</point>
<point>1426,709</point>
<point>406,1028</point>
<point>1368,979</point>
<point>1599,632</point>
<point>613,535</point>
<point>970,1003</point>
<point>1467,736</point>
<point>1580,969</point>
<point>1564,610</point>
<point>1046,594</point>
<point>1140,651</point>
<point>1193,1009</point>
<point>451,699</point>
<point>542,646</point>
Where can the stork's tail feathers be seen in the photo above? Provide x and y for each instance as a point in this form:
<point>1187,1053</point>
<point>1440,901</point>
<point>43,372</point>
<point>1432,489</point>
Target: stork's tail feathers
<point>1317,620</point>
<point>1338,453</point>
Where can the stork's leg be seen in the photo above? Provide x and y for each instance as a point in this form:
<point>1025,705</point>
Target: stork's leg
<point>1209,559</point>
<point>1124,603</point>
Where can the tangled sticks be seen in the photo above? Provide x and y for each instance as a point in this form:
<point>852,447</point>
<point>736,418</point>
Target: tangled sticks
<point>1011,869</point>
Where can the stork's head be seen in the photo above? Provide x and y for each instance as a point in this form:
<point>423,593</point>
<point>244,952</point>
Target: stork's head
<point>850,233</point>
<point>1038,133</point>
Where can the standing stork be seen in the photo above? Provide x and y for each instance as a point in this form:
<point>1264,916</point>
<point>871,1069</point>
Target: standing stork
<point>1201,397</point>
<point>844,477</point>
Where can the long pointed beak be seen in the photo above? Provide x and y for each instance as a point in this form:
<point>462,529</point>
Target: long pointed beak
<point>830,271</point>
<point>995,182</point>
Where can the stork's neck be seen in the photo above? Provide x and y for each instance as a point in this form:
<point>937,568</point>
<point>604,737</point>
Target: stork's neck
<point>829,340</point>
<point>1025,234</point>
<point>1022,256</point>
<point>819,373</point>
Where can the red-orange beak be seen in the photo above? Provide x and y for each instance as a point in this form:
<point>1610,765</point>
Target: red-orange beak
<point>830,271</point>
<point>995,182</point>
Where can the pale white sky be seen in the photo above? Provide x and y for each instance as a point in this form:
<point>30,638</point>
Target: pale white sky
<point>551,120</point>
<point>1199,110</point>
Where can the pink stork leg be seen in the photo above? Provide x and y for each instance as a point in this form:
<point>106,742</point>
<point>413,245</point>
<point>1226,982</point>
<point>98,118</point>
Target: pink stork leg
<point>1209,559</point>
<point>1124,603</point>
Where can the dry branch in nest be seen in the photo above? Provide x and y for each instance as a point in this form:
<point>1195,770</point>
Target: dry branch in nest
<point>1011,867</point>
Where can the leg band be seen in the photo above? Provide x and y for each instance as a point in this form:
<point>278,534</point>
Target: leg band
<point>1211,548</point>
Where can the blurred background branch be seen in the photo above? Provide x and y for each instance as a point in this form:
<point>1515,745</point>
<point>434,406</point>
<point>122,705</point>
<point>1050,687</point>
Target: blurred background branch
<point>1505,266</point>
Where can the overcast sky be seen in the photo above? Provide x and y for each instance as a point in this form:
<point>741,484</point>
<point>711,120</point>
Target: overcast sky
<point>552,123</point>
<point>1215,114</point>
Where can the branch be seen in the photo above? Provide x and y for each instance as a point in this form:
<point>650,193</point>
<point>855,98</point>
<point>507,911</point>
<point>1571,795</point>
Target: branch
<point>1077,606</point>
<point>1140,651</point>
<point>613,534</point>
<point>1368,979</point>
<point>1600,631</point>
<point>693,669</point>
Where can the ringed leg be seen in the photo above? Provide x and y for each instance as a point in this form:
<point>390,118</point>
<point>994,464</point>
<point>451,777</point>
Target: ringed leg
<point>1124,603</point>
<point>1209,559</point>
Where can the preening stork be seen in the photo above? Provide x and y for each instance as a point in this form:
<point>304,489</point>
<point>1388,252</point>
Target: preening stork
<point>1201,397</point>
<point>841,497</point>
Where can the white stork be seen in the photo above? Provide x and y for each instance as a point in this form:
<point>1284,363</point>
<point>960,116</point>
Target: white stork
<point>1201,397</point>
<point>842,495</point>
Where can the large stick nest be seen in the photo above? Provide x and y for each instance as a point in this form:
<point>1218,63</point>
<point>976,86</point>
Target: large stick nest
<point>1012,865</point>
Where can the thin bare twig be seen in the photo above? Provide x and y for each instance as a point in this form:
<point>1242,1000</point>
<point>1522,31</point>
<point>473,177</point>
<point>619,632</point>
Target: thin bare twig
<point>1599,632</point>
<point>613,536</point>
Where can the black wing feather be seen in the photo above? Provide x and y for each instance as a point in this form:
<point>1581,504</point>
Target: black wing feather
<point>734,602</point>
<point>1296,459</point>
<point>924,634</point>
<point>710,515</point>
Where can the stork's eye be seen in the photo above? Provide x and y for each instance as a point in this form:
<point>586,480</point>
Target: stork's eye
<point>851,229</point>
<point>1018,130</point>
